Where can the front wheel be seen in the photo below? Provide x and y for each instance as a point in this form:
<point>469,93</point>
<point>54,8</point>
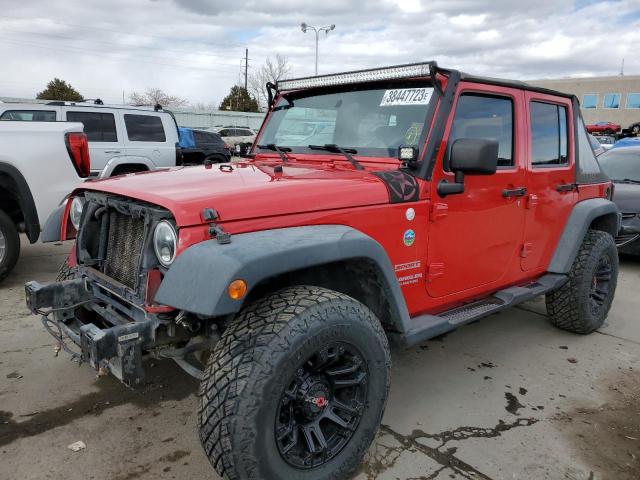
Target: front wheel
<point>636,129</point>
<point>583,302</point>
<point>9,245</point>
<point>295,388</point>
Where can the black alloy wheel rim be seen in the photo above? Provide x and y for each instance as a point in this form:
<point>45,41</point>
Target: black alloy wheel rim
<point>321,406</point>
<point>600,284</point>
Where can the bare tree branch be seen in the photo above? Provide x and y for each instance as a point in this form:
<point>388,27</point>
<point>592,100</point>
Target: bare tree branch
<point>154,96</point>
<point>271,71</point>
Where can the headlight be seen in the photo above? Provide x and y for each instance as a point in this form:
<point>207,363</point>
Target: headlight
<point>75,212</point>
<point>164,242</point>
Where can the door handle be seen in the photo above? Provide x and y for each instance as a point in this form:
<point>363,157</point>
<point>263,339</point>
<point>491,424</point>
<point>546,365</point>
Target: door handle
<point>566,187</point>
<point>112,151</point>
<point>514,192</point>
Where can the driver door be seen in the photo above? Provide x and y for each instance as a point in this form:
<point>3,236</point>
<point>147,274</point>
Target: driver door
<point>475,237</point>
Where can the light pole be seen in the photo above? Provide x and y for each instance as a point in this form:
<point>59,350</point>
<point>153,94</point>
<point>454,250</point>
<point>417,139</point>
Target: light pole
<point>304,27</point>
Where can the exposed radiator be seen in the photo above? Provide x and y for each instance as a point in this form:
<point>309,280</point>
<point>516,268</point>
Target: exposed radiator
<point>124,248</point>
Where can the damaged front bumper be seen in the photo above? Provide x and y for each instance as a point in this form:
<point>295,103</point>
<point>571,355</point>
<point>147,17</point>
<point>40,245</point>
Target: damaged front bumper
<point>117,349</point>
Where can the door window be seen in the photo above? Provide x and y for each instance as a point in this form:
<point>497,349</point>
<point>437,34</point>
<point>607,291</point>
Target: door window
<point>549,135</point>
<point>144,128</point>
<point>29,115</point>
<point>486,117</point>
<point>99,127</point>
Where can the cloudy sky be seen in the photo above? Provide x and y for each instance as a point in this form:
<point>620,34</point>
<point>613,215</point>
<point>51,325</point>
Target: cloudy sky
<point>193,48</point>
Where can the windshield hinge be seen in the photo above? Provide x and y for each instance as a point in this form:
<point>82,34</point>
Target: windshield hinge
<point>215,230</point>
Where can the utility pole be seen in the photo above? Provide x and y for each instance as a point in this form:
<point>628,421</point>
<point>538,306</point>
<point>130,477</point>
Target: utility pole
<point>246,66</point>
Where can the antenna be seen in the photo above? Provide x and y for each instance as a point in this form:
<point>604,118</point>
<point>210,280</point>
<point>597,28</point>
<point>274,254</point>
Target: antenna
<point>622,68</point>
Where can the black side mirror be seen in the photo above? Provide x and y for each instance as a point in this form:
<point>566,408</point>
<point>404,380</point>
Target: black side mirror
<point>473,156</point>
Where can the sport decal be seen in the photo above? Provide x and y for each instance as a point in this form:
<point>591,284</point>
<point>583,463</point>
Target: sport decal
<point>401,186</point>
<point>406,96</point>
<point>399,267</point>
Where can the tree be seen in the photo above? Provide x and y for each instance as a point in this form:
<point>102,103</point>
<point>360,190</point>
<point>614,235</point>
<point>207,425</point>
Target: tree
<point>60,90</point>
<point>271,71</point>
<point>155,96</point>
<point>239,100</point>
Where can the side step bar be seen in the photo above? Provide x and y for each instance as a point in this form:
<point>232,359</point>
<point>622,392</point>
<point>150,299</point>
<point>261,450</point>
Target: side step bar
<point>427,326</point>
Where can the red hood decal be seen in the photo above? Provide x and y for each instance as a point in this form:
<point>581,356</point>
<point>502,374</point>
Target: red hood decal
<point>247,190</point>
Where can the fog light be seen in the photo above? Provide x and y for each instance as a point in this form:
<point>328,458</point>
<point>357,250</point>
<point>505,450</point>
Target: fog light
<point>408,154</point>
<point>237,289</point>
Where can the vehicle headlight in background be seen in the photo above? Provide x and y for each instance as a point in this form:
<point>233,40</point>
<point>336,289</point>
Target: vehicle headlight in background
<point>75,212</point>
<point>165,242</point>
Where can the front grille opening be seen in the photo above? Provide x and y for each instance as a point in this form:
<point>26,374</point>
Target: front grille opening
<point>125,245</point>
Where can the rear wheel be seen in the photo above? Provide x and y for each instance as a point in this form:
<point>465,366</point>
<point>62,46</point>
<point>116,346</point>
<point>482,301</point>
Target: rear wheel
<point>295,388</point>
<point>582,304</point>
<point>636,129</point>
<point>9,245</point>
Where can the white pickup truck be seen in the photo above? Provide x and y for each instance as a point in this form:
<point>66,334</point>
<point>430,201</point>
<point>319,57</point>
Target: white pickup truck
<point>40,164</point>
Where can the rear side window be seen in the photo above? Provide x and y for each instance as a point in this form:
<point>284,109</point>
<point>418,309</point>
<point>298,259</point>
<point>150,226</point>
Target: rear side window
<point>29,115</point>
<point>549,136</point>
<point>207,138</point>
<point>144,128</point>
<point>491,118</point>
<point>99,127</point>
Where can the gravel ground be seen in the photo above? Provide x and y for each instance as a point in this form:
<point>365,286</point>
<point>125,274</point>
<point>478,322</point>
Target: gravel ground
<point>509,397</point>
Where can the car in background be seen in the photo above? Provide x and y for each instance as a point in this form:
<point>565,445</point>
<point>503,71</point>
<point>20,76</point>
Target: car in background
<point>597,147</point>
<point>198,146</point>
<point>122,138</point>
<point>634,129</point>
<point>233,136</point>
<point>627,142</point>
<point>622,165</point>
<point>606,141</point>
<point>608,128</point>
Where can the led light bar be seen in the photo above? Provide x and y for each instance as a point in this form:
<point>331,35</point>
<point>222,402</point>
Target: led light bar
<point>411,70</point>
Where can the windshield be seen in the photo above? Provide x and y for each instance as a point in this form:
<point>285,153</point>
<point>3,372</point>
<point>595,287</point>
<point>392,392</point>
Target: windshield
<point>374,122</point>
<point>622,164</point>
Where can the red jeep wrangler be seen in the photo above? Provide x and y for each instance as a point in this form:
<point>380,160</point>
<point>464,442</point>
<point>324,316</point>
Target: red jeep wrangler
<point>413,200</point>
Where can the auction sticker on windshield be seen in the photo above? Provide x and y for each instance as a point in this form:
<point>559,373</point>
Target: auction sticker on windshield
<point>406,96</point>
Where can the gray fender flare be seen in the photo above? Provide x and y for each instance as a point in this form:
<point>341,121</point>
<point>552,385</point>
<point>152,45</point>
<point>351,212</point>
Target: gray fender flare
<point>198,279</point>
<point>600,210</point>
<point>51,232</point>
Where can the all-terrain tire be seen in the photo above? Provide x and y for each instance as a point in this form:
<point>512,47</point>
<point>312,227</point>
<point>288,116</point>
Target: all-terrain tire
<point>252,364</point>
<point>571,307</point>
<point>11,238</point>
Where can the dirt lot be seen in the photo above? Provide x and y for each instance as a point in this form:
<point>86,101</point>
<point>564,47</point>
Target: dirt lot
<point>508,397</point>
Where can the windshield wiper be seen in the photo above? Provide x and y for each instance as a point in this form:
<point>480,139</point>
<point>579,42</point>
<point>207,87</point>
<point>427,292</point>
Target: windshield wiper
<point>332,147</point>
<point>281,150</point>
<point>626,180</point>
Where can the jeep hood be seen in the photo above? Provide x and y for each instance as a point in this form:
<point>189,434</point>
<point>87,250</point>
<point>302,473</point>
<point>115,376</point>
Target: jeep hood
<point>247,190</point>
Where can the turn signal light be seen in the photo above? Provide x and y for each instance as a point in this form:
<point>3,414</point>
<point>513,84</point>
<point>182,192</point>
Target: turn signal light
<point>237,289</point>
